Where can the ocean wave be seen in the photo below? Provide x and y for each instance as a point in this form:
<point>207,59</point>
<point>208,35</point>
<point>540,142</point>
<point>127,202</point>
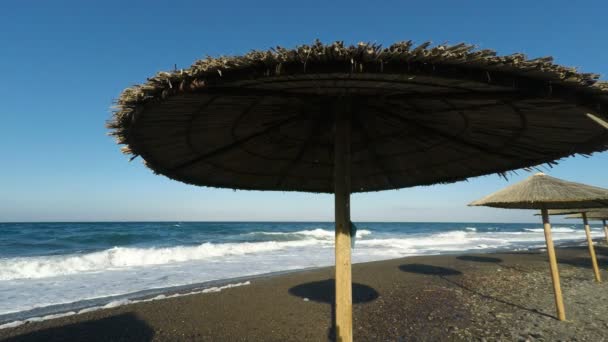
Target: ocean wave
<point>121,257</point>
<point>553,230</point>
<point>452,240</point>
<point>318,233</point>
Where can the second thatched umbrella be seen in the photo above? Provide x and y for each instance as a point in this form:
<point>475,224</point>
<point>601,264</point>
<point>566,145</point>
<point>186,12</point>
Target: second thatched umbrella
<point>340,119</point>
<point>583,214</point>
<point>597,215</point>
<point>544,192</point>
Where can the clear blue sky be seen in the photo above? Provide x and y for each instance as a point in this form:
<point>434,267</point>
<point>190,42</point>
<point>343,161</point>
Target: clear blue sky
<point>63,62</point>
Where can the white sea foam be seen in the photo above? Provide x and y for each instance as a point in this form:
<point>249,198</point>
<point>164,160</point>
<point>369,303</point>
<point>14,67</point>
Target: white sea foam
<point>120,257</point>
<point>553,230</point>
<point>120,271</point>
<point>117,303</point>
<point>318,233</point>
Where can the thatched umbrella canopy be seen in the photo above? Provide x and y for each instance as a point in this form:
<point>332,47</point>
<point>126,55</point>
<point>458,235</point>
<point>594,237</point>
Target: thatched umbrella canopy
<point>544,192</point>
<point>597,215</point>
<point>583,214</point>
<point>577,211</point>
<point>341,119</point>
<point>593,214</point>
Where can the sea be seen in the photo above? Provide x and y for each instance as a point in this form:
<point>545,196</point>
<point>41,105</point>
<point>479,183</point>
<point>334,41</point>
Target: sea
<point>53,269</point>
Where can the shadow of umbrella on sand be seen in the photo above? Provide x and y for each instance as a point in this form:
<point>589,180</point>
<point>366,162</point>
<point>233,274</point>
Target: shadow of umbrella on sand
<point>120,327</point>
<point>544,192</point>
<point>447,274</point>
<point>477,258</point>
<point>341,119</point>
<point>324,291</point>
<point>429,270</point>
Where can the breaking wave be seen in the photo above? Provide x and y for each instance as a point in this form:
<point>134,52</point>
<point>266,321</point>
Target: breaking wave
<point>553,230</point>
<point>121,257</point>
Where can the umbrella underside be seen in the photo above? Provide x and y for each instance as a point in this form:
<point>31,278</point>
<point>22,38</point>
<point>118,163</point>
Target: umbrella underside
<point>597,214</point>
<point>404,132</point>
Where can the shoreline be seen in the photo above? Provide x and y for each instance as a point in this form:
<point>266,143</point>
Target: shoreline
<point>383,293</point>
<point>88,305</point>
<point>11,320</point>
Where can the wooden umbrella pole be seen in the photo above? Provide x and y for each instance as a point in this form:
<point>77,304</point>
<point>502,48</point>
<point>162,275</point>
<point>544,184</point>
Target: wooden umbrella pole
<point>596,269</point>
<point>605,229</point>
<point>557,289</point>
<point>344,305</point>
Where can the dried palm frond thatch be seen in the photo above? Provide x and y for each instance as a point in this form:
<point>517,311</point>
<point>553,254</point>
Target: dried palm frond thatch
<point>575,211</point>
<point>420,115</point>
<point>598,214</point>
<point>545,192</point>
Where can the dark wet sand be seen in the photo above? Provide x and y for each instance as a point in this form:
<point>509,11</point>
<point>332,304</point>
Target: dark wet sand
<point>483,297</point>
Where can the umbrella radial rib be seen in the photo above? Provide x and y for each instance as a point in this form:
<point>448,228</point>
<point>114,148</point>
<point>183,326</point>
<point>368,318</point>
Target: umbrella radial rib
<point>424,128</point>
<point>287,170</point>
<point>446,136</point>
<point>513,139</point>
<point>385,113</point>
<point>247,110</point>
<point>250,173</point>
<point>234,144</point>
<point>467,130</point>
<point>266,157</point>
<point>195,116</point>
<point>372,148</point>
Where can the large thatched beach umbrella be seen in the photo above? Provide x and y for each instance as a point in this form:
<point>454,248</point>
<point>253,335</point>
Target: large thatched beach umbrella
<point>597,215</point>
<point>342,119</point>
<point>583,214</point>
<point>544,192</point>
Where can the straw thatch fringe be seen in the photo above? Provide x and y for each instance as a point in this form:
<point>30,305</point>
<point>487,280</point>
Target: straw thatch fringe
<point>208,70</point>
<point>544,192</point>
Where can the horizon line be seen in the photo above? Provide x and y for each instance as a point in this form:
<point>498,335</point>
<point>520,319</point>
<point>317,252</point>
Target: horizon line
<point>255,221</point>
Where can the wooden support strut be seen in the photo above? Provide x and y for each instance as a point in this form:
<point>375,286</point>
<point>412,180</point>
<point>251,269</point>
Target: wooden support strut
<point>557,289</point>
<point>342,159</point>
<point>596,269</point>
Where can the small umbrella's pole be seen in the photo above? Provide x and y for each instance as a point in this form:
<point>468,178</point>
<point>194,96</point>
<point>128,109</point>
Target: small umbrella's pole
<point>596,269</point>
<point>344,305</point>
<point>605,229</point>
<point>557,289</point>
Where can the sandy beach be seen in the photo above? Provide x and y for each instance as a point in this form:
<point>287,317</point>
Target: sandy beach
<point>485,297</point>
